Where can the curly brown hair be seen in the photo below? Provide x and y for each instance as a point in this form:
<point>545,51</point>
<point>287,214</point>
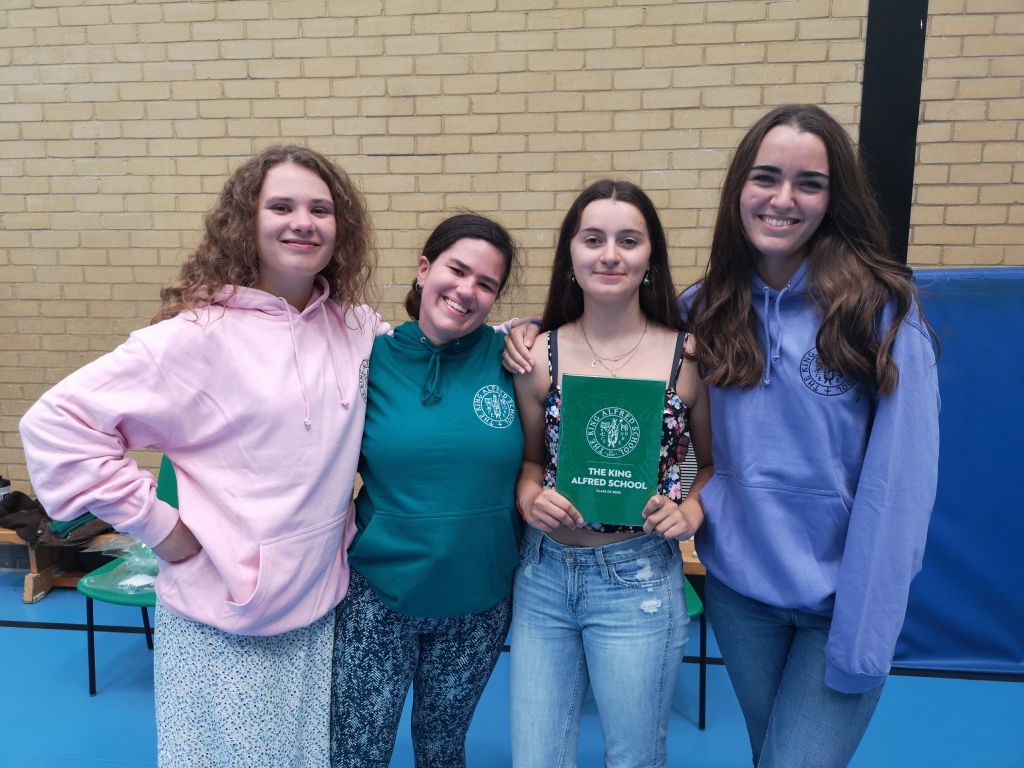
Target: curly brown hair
<point>852,276</point>
<point>228,254</point>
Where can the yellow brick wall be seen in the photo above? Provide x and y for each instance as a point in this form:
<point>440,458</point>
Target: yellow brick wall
<point>119,121</point>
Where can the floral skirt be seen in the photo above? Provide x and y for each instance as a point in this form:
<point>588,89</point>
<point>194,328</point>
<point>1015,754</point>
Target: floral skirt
<point>239,701</point>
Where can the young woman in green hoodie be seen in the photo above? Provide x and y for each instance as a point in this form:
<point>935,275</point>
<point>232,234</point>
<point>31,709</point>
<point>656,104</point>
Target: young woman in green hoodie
<point>437,541</point>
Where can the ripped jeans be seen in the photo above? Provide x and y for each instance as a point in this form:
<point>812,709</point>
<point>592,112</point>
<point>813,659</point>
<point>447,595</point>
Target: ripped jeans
<point>612,617</point>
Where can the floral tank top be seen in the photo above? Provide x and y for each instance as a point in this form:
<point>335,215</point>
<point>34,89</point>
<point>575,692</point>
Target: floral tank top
<point>675,423</point>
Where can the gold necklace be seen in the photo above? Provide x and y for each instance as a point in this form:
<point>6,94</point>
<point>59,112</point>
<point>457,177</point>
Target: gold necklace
<point>603,361</point>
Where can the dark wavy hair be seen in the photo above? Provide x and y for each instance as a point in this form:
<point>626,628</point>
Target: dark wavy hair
<point>228,254</point>
<point>565,297</point>
<point>851,275</point>
<point>458,227</point>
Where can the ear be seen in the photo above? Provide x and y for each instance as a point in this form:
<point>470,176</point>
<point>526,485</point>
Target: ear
<point>422,268</point>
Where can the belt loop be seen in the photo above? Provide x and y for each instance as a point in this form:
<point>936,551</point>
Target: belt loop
<point>537,548</point>
<point>599,556</point>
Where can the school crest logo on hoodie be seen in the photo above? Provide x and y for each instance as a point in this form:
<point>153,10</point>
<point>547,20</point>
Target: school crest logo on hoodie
<point>364,378</point>
<point>821,379</point>
<point>494,407</point>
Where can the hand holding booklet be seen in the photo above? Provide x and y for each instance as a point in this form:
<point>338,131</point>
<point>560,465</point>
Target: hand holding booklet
<point>609,445</point>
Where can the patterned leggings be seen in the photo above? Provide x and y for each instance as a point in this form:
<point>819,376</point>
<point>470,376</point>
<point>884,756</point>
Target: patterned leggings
<point>378,653</point>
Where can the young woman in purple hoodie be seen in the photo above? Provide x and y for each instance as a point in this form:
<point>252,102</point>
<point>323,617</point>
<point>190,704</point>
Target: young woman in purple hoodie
<point>252,380</point>
<point>824,407</point>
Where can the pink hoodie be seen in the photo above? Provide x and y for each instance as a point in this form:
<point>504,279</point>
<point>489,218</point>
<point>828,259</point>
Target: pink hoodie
<point>261,411</point>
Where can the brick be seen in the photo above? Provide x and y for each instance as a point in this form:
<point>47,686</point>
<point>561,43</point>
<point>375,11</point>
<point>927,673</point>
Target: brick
<point>470,84</point>
<point>798,51</point>
<point>954,68</point>
<point>735,54</point>
<point>552,61</point>
<point>960,25</point>
<point>765,31</point>
<point>829,29</point>
<point>450,64</point>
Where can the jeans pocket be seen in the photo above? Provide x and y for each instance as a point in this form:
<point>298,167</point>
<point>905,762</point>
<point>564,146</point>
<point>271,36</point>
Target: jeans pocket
<point>642,572</point>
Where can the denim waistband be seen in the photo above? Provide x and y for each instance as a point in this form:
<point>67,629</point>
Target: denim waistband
<point>541,545</point>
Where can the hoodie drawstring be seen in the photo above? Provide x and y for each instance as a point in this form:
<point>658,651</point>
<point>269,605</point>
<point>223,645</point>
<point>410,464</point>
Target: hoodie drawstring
<point>298,368</point>
<point>334,358</point>
<point>770,355</point>
<point>431,392</point>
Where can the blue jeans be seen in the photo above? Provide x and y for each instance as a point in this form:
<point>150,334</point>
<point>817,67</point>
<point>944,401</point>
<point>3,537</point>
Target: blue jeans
<point>775,658</point>
<point>612,617</point>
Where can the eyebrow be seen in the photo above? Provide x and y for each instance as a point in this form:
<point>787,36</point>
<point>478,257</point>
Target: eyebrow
<point>599,231</point>
<point>289,199</point>
<point>465,268</point>
<point>800,174</point>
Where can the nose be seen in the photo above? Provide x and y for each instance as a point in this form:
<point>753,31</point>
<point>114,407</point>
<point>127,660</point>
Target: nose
<point>464,288</point>
<point>783,197</point>
<point>610,252</point>
<point>301,220</point>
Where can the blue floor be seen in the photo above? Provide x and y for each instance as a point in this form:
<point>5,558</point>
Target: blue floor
<point>51,721</point>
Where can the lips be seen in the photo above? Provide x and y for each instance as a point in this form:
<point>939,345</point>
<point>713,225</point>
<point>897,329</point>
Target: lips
<point>301,243</point>
<point>778,222</point>
<point>456,306</point>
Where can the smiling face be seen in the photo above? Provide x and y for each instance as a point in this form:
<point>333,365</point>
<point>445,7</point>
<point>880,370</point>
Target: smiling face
<point>611,251</point>
<point>459,288</point>
<point>295,232</point>
<point>784,199</point>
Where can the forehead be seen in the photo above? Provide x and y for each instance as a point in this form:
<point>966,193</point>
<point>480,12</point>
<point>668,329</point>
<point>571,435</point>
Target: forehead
<point>294,181</point>
<point>785,146</point>
<point>612,215</point>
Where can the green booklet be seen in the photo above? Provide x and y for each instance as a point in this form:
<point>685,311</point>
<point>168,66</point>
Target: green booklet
<point>608,446</point>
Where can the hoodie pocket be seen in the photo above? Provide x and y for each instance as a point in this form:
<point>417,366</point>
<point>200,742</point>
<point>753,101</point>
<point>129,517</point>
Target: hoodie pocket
<point>439,564</point>
<point>773,541</point>
<point>291,575</point>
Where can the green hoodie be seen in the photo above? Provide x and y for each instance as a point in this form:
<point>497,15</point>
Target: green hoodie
<point>438,532</point>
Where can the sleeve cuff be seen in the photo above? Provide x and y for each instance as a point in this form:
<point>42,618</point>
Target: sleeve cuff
<point>156,525</point>
<point>843,682</point>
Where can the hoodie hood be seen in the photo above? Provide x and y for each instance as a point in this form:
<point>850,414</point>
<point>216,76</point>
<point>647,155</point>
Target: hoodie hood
<point>409,337</point>
<point>767,304</point>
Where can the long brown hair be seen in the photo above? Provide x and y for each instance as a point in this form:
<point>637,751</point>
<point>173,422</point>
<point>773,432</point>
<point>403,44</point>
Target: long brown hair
<point>657,299</point>
<point>228,255</point>
<point>851,275</point>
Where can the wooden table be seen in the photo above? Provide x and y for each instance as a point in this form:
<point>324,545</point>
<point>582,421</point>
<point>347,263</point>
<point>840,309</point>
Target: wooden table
<point>48,566</point>
<point>692,566</point>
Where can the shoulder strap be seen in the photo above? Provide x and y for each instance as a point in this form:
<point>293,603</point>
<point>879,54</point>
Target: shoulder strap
<point>678,356</point>
<point>553,356</point>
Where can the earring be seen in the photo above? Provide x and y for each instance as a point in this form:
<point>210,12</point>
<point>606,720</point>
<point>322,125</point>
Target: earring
<point>417,287</point>
<point>647,279</point>
<point>572,275</point>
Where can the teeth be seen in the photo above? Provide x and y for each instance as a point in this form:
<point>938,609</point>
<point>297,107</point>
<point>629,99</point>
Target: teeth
<point>777,222</point>
<point>457,307</point>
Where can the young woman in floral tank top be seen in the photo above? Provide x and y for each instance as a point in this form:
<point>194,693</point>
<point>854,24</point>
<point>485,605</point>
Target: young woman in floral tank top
<point>603,605</point>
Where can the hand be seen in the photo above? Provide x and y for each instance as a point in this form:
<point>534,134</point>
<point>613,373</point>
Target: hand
<point>550,510</point>
<point>517,357</point>
<point>669,520</point>
<point>179,545</point>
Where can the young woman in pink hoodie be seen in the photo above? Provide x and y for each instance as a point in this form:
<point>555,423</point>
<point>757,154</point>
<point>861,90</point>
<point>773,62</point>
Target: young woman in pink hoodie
<point>252,380</point>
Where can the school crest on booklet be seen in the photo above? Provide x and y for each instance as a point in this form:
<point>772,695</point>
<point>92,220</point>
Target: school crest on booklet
<point>608,446</point>
<point>494,406</point>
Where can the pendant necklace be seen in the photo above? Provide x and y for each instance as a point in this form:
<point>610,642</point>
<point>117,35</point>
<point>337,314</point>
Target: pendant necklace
<point>625,357</point>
